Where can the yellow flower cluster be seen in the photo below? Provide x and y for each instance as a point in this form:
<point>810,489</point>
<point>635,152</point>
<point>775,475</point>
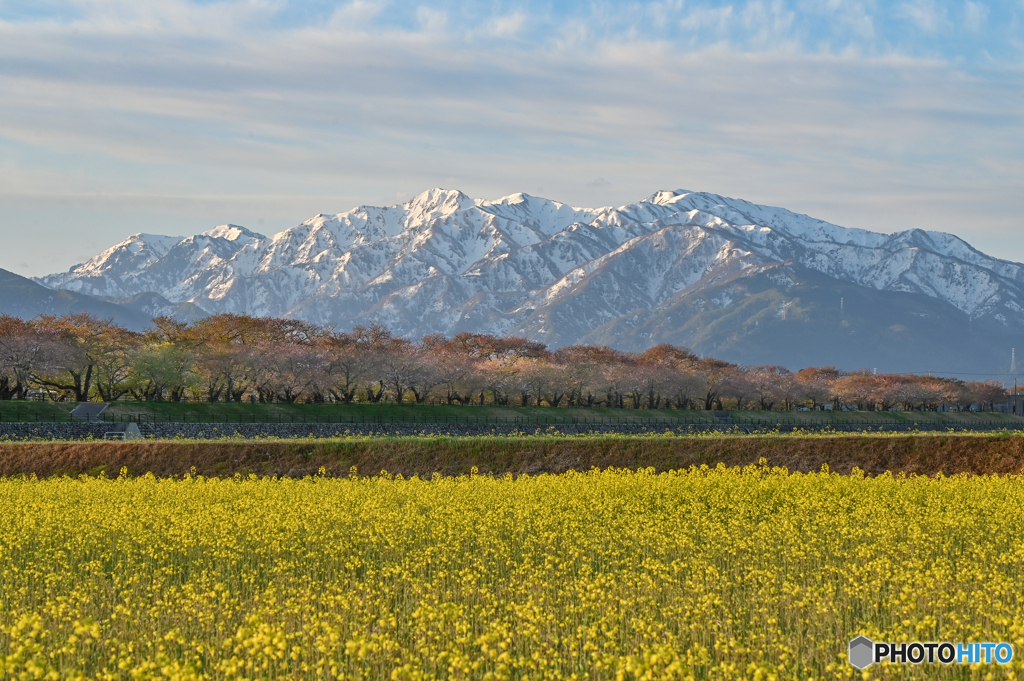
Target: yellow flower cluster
<point>699,574</point>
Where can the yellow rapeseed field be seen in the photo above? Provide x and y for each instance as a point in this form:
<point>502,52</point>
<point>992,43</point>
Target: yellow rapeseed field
<point>705,573</point>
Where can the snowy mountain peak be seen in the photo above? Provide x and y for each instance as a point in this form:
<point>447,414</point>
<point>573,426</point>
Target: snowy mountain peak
<point>665,197</point>
<point>155,243</point>
<point>233,233</point>
<point>137,250</point>
<point>444,262</point>
<point>437,202</point>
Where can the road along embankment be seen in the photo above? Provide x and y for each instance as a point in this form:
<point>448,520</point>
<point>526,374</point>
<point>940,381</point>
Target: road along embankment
<point>911,454</point>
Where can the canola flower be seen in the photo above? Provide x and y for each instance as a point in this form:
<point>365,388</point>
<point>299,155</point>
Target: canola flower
<point>707,573</point>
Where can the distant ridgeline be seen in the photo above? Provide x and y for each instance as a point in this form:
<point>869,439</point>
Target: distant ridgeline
<point>239,358</point>
<point>751,284</point>
<point>24,298</point>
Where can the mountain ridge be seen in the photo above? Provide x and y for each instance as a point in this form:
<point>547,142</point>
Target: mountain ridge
<point>444,262</point>
<point>22,297</point>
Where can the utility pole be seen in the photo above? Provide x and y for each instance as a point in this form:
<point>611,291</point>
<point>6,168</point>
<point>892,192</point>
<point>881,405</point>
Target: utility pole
<point>1013,370</point>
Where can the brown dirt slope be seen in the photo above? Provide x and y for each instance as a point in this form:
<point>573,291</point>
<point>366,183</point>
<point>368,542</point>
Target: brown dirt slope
<point>922,454</point>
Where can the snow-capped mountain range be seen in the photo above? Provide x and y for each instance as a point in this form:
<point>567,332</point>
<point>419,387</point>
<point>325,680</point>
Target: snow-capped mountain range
<point>444,262</point>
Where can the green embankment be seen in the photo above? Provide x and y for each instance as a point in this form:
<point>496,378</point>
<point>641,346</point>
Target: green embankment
<point>11,410</point>
<point>355,412</point>
<point>341,413</point>
<point>231,411</point>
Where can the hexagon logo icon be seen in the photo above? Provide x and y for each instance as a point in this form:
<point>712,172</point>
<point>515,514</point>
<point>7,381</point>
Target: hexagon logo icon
<point>862,652</point>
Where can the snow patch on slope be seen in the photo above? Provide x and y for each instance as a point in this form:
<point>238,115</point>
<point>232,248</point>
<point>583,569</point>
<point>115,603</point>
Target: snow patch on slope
<point>443,261</point>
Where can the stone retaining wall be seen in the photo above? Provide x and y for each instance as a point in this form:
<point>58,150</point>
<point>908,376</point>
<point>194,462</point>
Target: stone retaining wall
<point>97,430</point>
<point>68,430</point>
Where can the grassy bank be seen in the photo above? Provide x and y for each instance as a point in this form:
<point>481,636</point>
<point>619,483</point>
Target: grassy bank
<point>232,411</point>
<point>423,456</point>
<point>11,410</point>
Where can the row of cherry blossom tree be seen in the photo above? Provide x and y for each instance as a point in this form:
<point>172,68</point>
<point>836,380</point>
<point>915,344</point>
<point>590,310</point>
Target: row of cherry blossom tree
<point>241,358</point>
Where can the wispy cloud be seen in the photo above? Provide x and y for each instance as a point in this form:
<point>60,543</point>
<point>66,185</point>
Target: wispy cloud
<point>717,20</point>
<point>928,15</point>
<point>506,26</point>
<point>356,13</point>
<point>431,20</point>
<point>975,15</point>
<point>363,101</point>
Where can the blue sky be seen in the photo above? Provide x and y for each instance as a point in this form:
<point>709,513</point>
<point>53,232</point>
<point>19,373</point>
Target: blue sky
<point>166,116</point>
